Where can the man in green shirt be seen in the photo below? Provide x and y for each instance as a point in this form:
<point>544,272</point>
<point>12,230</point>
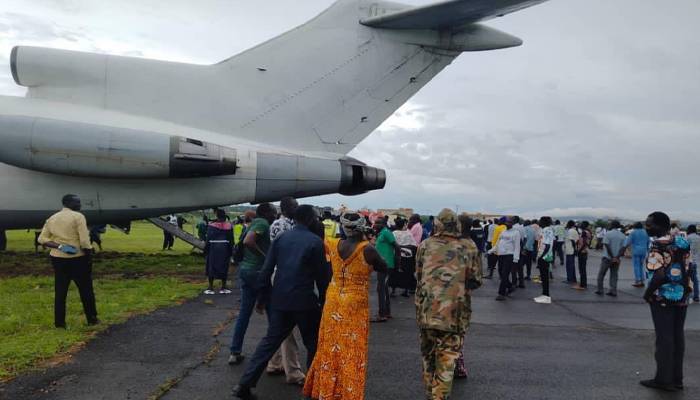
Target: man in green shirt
<point>386,247</point>
<point>256,241</point>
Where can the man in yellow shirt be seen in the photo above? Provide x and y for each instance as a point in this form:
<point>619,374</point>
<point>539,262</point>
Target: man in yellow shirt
<point>67,235</point>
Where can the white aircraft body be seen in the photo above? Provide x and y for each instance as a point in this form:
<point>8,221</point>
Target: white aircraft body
<point>137,138</point>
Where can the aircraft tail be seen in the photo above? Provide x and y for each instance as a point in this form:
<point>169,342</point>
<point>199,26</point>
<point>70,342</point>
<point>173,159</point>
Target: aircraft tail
<point>321,87</point>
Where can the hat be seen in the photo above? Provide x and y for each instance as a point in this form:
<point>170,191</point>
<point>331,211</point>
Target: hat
<point>447,222</point>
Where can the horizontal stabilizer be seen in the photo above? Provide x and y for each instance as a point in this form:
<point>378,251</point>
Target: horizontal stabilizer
<point>447,14</point>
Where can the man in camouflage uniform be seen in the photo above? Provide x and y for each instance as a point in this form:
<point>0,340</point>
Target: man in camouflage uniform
<point>448,268</point>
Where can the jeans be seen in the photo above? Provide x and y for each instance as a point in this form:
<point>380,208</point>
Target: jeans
<point>78,270</point>
<point>606,265</point>
<point>282,322</point>
<point>505,266</point>
<point>571,268</point>
<point>638,263</point>
<point>669,323</point>
<point>694,277</point>
<point>383,298</point>
<point>249,296</point>
<point>582,261</point>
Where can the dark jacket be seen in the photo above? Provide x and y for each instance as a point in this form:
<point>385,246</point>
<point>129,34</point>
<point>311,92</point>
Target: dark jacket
<point>301,266</point>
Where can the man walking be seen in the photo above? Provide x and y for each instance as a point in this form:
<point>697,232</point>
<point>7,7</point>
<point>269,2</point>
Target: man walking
<point>286,359</point>
<point>507,248</point>
<point>572,238</point>
<point>613,249</point>
<point>448,268</point>
<point>256,242</point>
<point>560,238</point>
<point>291,301</point>
<point>66,233</point>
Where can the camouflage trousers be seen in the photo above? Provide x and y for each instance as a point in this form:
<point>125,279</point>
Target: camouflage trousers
<point>440,351</point>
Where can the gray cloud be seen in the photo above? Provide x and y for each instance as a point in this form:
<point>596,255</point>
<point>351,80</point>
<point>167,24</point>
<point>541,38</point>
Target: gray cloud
<point>595,115</point>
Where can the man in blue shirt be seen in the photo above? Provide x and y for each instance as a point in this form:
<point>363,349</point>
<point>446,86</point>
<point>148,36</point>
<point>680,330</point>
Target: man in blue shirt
<point>291,301</point>
<point>613,249</point>
<point>639,241</point>
<point>529,253</point>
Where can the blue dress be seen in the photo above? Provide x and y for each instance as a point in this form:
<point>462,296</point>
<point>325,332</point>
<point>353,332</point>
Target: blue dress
<point>219,249</point>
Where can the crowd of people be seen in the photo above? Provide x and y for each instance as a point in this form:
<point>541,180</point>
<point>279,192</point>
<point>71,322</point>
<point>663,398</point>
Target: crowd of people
<point>312,275</point>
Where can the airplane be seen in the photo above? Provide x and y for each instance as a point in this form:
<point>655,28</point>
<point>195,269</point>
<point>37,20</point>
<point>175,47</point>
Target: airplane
<point>138,138</point>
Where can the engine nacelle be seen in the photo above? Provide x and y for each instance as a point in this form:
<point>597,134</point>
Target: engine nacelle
<point>80,149</point>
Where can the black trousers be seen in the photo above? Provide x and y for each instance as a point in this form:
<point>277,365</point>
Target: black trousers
<point>3,240</point>
<point>582,271</point>
<point>491,261</point>
<point>78,270</point>
<point>516,273</point>
<point>383,296</point>
<point>527,261</point>
<point>168,240</point>
<point>281,325</point>
<point>543,266</point>
<point>669,323</point>
<point>505,266</point>
<point>559,251</point>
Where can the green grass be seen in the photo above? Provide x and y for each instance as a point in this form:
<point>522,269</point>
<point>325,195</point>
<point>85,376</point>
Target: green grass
<point>144,238</point>
<point>27,336</point>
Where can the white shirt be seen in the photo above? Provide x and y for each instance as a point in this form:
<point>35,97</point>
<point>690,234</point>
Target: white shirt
<point>509,243</point>
<point>572,237</point>
<point>489,236</point>
<point>694,240</point>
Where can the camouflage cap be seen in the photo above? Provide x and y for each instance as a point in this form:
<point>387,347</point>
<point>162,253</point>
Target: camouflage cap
<point>447,222</point>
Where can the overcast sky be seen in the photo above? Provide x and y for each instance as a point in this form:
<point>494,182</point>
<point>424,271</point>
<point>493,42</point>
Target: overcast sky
<point>598,113</point>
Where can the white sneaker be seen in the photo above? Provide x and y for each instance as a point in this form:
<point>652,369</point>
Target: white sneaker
<point>209,292</point>
<point>224,291</point>
<point>543,300</point>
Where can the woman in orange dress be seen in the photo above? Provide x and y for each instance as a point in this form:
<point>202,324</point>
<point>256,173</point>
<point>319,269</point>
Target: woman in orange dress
<point>340,365</point>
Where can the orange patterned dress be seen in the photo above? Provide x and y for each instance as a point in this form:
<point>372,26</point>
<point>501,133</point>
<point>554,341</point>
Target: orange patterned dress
<point>340,365</point>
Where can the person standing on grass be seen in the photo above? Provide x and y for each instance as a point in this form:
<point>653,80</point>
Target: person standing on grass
<point>286,358</point>
<point>639,241</point>
<point>218,251</point>
<point>613,250</point>
<point>583,244</point>
<point>168,238</point>
<point>694,240</point>
<point>667,294</point>
<point>256,242</point>
<point>570,248</point>
<point>66,234</point>
<point>545,257</point>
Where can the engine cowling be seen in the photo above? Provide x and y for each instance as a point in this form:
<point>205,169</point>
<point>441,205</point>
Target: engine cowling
<point>80,149</point>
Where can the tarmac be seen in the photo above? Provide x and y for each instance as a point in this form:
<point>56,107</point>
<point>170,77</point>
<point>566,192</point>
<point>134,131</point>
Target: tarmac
<point>582,346</point>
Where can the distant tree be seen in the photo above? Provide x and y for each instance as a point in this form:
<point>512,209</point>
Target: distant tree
<point>601,223</point>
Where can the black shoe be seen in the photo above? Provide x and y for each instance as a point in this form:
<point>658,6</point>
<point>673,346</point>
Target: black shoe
<point>599,293</point>
<point>93,321</point>
<point>611,294</point>
<point>652,384</point>
<point>521,286</point>
<point>235,359</point>
<point>500,298</point>
<point>60,326</point>
<point>243,392</point>
<point>679,387</point>
<point>527,278</point>
<point>488,277</point>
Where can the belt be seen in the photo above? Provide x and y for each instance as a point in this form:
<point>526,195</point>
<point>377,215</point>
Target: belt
<point>219,241</point>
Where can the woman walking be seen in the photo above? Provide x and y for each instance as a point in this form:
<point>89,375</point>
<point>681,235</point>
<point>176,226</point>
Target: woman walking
<point>340,366</point>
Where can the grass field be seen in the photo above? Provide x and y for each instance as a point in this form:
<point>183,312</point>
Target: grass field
<point>132,276</point>
<point>144,238</point>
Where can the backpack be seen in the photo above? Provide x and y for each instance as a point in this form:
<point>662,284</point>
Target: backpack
<point>239,248</point>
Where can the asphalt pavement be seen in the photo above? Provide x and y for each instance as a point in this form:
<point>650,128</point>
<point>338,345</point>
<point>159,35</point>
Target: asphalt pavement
<point>582,346</point>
